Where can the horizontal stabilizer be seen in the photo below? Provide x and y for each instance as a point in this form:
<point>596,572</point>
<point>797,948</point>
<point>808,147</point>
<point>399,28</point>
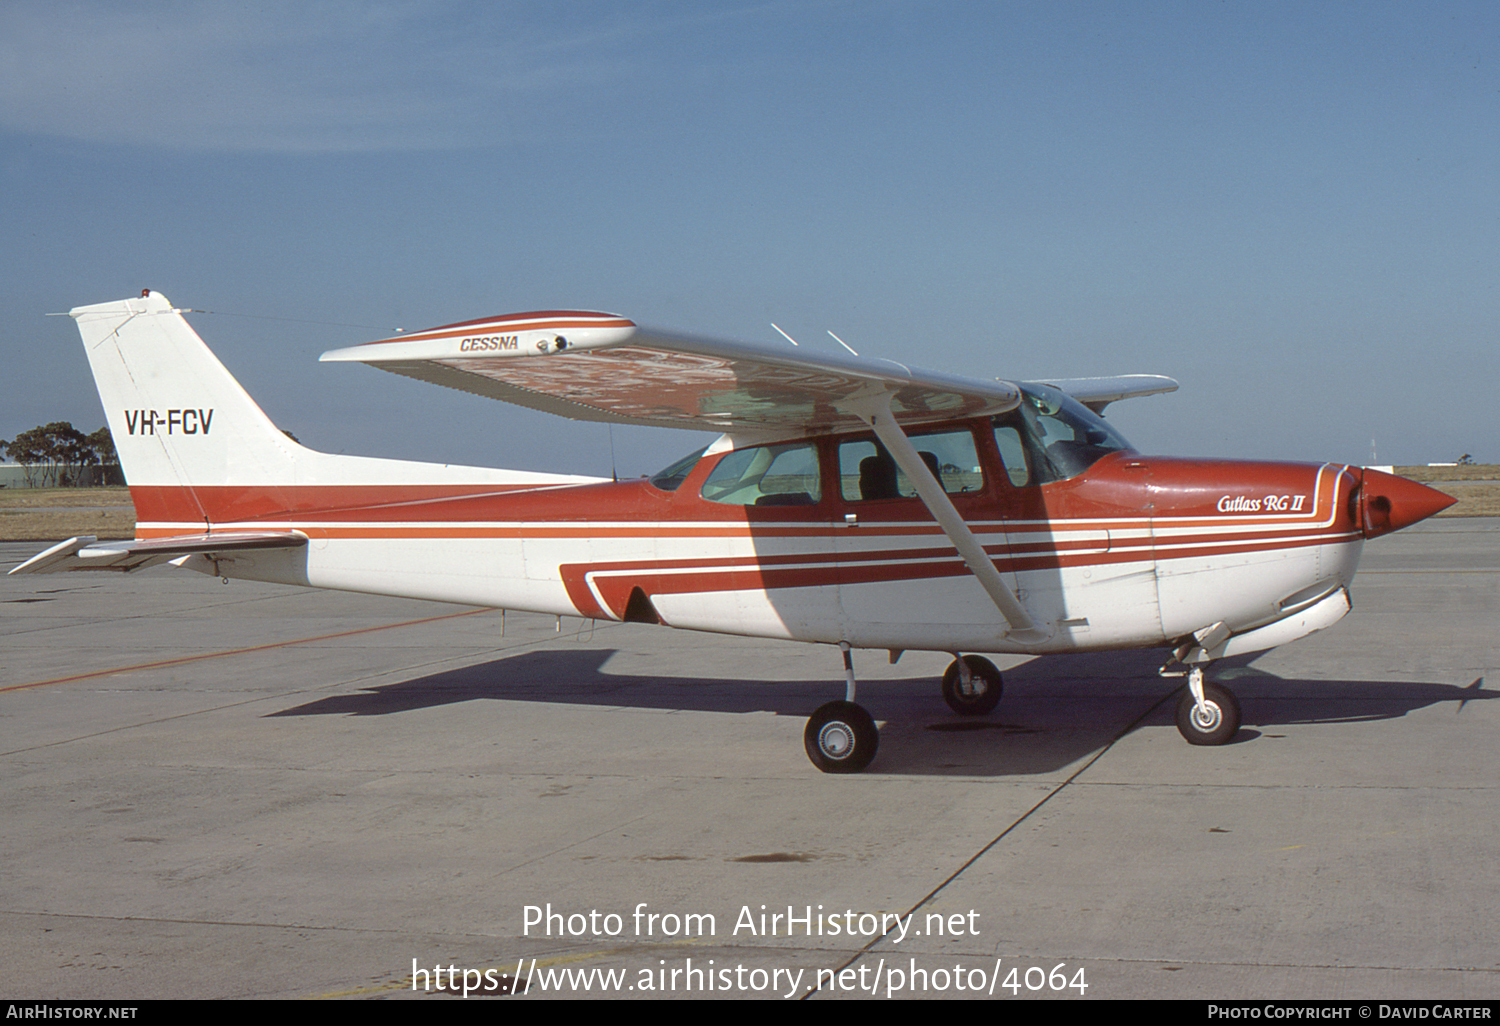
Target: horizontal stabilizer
<point>88,553</point>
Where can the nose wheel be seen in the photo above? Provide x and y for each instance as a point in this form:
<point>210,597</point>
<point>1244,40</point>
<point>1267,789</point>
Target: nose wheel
<point>1207,714</point>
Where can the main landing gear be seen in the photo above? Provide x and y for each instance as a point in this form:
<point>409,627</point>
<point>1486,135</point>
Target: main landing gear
<point>841,737</point>
<point>972,686</point>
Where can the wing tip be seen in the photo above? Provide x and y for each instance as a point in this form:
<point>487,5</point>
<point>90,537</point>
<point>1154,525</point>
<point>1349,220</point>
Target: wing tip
<point>532,320</point>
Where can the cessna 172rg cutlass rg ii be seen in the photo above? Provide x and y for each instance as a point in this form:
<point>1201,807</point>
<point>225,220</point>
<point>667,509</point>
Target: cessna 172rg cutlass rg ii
<point>851,502</point>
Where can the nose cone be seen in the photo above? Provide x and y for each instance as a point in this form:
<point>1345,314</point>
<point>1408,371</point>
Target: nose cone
<point>1388,503</point>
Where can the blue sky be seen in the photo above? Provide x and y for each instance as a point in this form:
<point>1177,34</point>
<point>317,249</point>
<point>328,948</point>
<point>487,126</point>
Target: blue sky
<point>1293,208</point>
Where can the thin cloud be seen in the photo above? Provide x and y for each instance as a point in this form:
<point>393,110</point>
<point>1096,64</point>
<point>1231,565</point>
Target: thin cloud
<point>299,77</point>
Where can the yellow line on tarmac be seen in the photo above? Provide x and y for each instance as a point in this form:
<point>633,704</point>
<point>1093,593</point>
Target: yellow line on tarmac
<point>237,651</point>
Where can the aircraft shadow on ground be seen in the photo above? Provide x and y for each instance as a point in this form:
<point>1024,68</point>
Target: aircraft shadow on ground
<point>1056,710</point>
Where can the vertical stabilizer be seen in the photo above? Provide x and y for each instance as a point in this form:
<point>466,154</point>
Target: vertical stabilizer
<point>178,418</point>
<point>199,454</point>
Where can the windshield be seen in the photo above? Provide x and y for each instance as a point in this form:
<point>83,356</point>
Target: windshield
<point>1052,437</point>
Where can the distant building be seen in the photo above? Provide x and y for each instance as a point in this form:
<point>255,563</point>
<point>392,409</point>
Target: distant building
<point>16,475</point>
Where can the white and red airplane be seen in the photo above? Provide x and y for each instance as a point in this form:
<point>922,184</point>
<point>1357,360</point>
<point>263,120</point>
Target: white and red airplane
<point>851,502</point>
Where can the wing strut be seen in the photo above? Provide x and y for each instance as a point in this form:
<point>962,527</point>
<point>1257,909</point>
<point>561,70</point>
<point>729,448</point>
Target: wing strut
<point>878,414</point>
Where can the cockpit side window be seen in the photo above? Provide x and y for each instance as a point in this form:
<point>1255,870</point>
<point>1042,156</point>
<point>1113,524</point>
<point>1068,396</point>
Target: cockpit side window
<point>1012,453</point>
<point>766,475</point>
<point>1052,437</point>
<point>867,472</point>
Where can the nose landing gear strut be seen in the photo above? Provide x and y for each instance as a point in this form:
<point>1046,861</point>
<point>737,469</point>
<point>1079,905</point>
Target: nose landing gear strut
<point>1207,713</point>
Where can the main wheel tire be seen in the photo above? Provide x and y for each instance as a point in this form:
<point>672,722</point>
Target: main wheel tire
<point>841,738</point>
<point>985,687</point>
<point>1216,724</point>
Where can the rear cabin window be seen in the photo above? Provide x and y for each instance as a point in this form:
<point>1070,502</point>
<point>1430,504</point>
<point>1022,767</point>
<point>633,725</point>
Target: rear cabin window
<point>868,473</point>
<point>766,475</point>
<point>669,479</point>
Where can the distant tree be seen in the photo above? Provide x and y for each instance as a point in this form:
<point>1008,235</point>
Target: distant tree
<point>103,444</point>
<point>52,453</point>
<point>1465,460</point>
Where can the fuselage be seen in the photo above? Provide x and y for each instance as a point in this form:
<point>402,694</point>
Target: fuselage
<point>1132,551</point>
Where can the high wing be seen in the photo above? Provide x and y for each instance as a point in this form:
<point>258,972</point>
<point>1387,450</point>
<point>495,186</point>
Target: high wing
<point>603,367</point>
<point>1097,393</point>
<point>88,553</point>
<point>595,366</point>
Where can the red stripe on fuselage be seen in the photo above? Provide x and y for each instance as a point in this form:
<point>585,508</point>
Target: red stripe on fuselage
<point>614,582</point>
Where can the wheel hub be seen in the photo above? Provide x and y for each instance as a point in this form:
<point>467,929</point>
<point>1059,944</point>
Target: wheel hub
<point>1206,717</point>
<point>836,740</point>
